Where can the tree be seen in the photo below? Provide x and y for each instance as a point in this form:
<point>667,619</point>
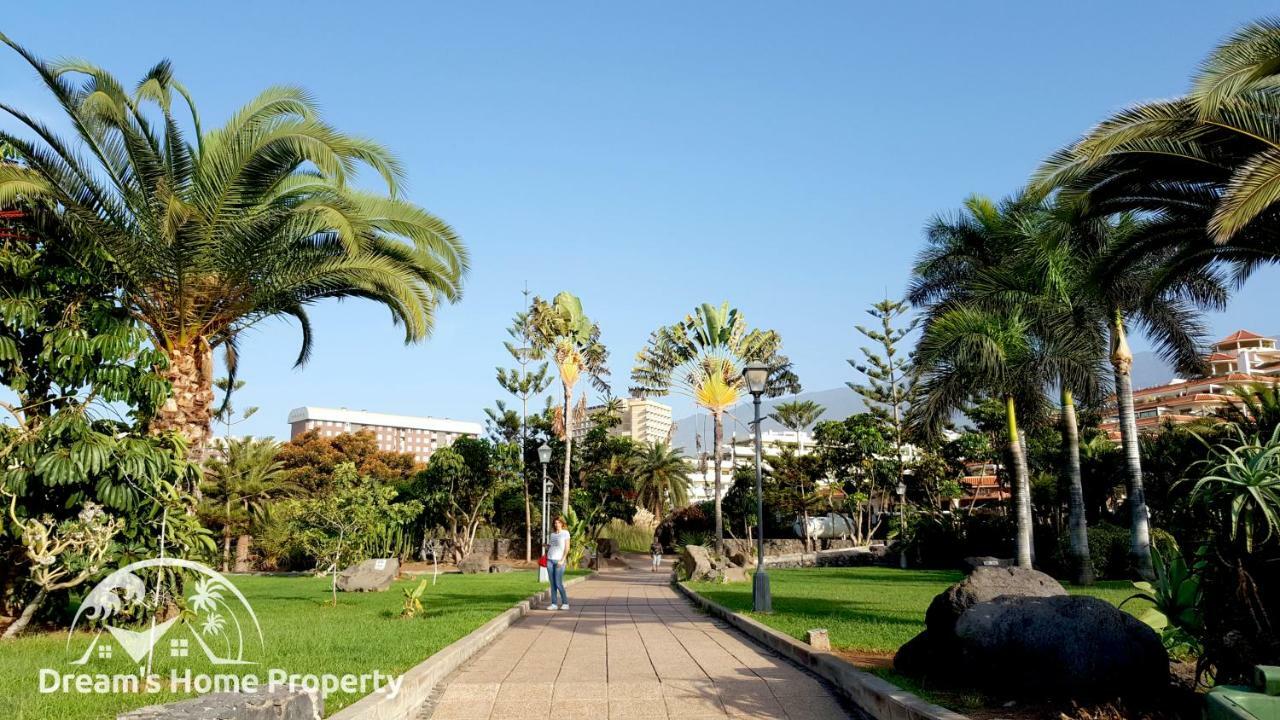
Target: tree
<point>63,555</point>
<point>459,485</point>
<point>965,351</point>
<point>523,384</point>
<point>252,220</point>
<point>333,527</point>
<point>662,478</point>
<point>563,329</point>
<point>311,459</point>
<point>1258,411</point>
<point>702,358</point>
<point>1203,165</point>
<point>797,416</point>
<point>890,378</point>
<point>239,489</point>
<point>83,379</point>
<point>226,413</point>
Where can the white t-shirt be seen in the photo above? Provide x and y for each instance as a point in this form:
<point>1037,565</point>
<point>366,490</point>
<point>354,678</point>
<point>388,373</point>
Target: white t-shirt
<point>556,545</point>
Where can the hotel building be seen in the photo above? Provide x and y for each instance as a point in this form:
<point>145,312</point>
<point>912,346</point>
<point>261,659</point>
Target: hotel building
<point>644,421</point>
<point>413,435</point>
<point>1238,361</point>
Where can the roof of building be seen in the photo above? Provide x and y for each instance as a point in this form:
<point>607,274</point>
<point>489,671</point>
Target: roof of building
<point>1239,335</point>
<point>1221,356</point>
<point>362,417</point>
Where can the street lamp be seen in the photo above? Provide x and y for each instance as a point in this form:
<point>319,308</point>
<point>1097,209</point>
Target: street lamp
<point>902,524</point>
<point>544,456</point>
<point>756,376</point>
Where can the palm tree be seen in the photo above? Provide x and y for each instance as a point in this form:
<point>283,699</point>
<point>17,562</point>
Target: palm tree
<point>241,486</point>
<point>798,416</point>
<point>702,357</point>
<point>210,235</point>
<point>662,478</point>
<point>1258,411</point>
<point>1057,264</point>
<point>965,351</point>
<point>561,327</point>
<point>1205,164</point>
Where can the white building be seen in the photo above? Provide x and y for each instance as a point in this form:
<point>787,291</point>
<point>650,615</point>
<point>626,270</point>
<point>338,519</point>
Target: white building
<point>414,435</point>
<point>646,421</point>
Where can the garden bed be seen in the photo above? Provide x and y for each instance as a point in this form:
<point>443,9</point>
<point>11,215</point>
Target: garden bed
<point>869,612</point>
<point>362,634</point>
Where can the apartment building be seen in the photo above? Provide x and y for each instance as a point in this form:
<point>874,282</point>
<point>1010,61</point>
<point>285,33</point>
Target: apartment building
<point>646,421</point>
<point>414,435</point>
<point>1240,360</point>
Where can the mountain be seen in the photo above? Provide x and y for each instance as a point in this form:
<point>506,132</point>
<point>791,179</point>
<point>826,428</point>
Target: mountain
<point>839,402</point>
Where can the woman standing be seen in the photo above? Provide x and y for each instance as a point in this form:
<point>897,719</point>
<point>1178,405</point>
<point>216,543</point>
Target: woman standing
<point>557,554</point>
<point>656,551</point>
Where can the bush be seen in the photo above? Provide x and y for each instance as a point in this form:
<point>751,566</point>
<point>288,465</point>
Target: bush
<point>943,540</point>
<point>631,538</point>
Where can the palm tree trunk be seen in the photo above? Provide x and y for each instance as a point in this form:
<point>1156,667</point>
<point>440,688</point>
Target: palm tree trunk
<point>190,408</point>
<point>1139,527</point>
<point>568,445</point>
<point>243,544</point>
<point>1025,497</point>
<point>1081,563</point>
<point>1022,489</point>
<point>718,433</point>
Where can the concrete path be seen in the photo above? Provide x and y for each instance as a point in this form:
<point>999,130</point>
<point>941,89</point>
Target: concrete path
<point>629,647</point>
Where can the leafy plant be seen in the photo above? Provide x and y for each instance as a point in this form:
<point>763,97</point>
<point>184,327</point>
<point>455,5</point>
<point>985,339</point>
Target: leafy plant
<point>1240,488</point>
<point>1175,596</point>
<point>413,599</point>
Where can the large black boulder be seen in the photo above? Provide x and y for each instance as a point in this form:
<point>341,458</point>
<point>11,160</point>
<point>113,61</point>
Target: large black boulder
<point>1069,646</point>
<point>984,584</point>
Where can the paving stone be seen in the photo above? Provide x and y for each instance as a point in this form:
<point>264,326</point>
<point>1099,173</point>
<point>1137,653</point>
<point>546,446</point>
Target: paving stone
<point>629,648</point>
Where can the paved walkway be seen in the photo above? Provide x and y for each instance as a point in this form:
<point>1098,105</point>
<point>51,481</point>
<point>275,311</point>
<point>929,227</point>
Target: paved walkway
<point>629,647</point>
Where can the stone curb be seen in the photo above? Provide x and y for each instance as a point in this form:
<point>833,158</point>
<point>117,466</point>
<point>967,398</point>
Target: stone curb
<point>421,679</point>
<point>875,696</point>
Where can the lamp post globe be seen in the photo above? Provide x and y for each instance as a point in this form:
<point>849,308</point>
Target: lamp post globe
<point>756,378</point>
<point>544,456</point>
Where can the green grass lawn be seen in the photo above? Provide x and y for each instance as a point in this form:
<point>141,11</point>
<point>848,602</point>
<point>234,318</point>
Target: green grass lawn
<point>301,634</point>
<point>865,609</point>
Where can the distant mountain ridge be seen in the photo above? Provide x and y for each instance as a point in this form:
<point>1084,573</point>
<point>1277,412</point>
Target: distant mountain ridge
<point>841,402</point>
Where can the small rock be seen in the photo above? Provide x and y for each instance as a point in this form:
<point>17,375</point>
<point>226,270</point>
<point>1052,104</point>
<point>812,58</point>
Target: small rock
<point>500,568</point>
<point>818,639</point>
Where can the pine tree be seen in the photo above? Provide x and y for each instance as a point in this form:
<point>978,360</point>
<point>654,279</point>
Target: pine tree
<point>524,383</point>
<point>890,377</point>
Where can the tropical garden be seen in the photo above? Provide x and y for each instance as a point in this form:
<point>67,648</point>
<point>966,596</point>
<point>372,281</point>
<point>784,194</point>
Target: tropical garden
<point>136,252</point>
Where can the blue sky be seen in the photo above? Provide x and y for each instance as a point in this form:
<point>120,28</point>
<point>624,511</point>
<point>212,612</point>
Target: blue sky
<point>652,156</point>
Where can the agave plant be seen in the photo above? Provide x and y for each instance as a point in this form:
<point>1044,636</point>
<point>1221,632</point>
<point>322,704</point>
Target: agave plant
<point>1240,488</point>
<point>212,231</point>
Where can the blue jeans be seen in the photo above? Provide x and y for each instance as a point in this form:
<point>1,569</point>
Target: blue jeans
<point>555,570</point>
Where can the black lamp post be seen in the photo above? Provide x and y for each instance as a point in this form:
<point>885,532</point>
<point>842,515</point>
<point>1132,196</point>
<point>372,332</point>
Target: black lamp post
<point>756,376</point>
<point>544,456</point>
<point>902,524</point>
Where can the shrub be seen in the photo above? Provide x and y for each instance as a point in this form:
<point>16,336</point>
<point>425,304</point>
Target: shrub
<point>630,538</point>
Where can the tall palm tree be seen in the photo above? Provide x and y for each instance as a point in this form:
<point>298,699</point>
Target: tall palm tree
<point>241,486</point>
<point>563,329</point>
<point>702,357</point>
<point>212,231</point>
<point>798,416</point>
<point>662,478</point>
<point>965,351</point>
<point>1205,165</point>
